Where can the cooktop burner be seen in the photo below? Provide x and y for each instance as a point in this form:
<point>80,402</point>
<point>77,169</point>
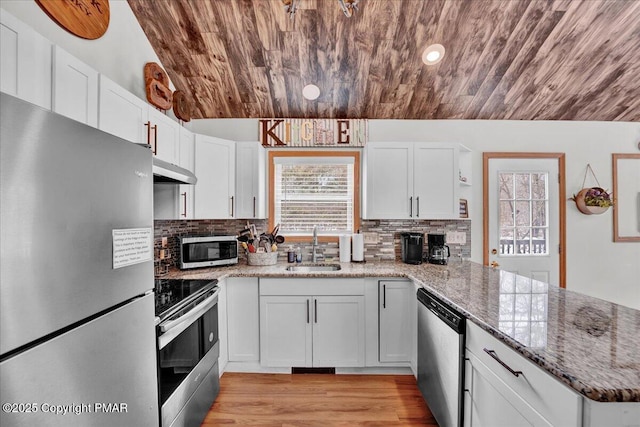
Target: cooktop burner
<point>170,292</point>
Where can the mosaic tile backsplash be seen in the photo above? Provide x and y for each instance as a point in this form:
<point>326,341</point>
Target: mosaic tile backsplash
<point>382,237</point>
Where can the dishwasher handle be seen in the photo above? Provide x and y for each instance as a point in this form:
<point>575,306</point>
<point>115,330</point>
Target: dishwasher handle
<point>450,317</point>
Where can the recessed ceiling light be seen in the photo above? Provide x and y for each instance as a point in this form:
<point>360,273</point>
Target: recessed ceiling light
<point>433,54</point>
<point>311,92</point>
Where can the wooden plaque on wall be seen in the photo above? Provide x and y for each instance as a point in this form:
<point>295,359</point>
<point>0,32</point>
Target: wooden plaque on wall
<point>88,19</point>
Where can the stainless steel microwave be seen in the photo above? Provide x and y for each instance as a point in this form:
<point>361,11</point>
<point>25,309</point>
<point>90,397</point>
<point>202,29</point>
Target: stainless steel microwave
<point>208,251</point>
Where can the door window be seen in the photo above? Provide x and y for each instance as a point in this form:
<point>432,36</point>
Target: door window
<point>524,213</point>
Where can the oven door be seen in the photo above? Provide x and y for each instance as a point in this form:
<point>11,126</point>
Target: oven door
<point>188,349</point>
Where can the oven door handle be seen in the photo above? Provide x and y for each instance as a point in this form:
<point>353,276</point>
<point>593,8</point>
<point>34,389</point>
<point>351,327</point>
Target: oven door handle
<point>170,329</point>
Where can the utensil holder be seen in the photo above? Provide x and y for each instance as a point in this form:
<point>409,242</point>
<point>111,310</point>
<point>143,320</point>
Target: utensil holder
<point>264,258</point>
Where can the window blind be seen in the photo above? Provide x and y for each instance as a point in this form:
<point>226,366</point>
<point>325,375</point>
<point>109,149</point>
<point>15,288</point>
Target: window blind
<point>313,191</point>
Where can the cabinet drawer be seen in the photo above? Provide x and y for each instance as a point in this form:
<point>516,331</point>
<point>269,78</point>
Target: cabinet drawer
<point>555,401</point>
<point>314,286</point>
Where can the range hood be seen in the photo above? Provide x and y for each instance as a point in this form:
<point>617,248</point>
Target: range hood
<point>165,172</point>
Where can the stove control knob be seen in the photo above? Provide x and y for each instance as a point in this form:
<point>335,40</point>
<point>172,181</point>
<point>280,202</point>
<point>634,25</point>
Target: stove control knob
<point>211,337</point>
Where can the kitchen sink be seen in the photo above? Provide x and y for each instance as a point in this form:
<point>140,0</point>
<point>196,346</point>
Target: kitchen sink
<point>312,268</point>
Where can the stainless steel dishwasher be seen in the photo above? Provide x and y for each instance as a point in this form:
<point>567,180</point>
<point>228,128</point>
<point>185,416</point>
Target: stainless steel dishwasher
<point>441,335</point>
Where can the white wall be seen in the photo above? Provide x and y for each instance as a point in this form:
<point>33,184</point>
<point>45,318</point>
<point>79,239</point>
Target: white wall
<point>595,265</point>
<point>120,53</point>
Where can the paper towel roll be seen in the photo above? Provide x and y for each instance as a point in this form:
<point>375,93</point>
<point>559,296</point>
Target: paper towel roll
<point>358,247</point>
<point>345,248</point>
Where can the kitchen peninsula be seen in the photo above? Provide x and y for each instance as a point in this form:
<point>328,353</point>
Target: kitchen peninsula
<point>586,343</point>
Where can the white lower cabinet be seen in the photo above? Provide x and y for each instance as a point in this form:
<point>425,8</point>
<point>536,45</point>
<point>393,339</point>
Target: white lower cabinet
<point>243,319</point>
<point>303,325</point>
<point>285,329</point>
<point>497,397</point>
<point>395,301</point>
<point>223,359</point>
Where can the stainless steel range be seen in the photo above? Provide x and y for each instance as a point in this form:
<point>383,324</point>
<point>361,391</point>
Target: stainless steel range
<point>188,349</point>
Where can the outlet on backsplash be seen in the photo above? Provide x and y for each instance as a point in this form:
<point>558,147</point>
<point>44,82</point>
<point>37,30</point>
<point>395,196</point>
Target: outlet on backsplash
<point>456,237</point>
<point>370,238</point>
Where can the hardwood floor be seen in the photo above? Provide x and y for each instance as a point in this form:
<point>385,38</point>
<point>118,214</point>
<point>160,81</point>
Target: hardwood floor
<point>318,400</point>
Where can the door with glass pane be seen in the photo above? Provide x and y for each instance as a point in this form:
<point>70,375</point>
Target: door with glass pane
<point>523,233</point>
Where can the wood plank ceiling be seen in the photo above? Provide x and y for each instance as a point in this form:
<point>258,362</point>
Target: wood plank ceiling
<point>505,59</point>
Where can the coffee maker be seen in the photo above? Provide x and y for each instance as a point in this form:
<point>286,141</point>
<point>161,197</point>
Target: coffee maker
<point>411,247</point>
<point>438,250</point>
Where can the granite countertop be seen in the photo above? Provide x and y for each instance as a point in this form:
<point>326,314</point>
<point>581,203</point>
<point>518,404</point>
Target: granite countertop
<point>589,344</point>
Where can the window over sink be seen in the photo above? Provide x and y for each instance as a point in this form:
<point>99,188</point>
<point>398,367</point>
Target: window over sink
<point>314,188</point>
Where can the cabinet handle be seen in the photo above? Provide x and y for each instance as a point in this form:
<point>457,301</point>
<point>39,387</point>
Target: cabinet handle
<point>315,310</point>
<point>418,206</point>
<point>307,311</point>
<point>384,296</point>
<point>411,207</point>
<point>155,139</point>
<point>494,356</point>
<point>154,147</point>
<point>232,206</point>
<point>184,205</point>
<point>254,206</point>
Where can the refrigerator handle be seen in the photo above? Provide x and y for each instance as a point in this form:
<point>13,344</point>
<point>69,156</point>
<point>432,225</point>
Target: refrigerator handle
<point>232,207</point>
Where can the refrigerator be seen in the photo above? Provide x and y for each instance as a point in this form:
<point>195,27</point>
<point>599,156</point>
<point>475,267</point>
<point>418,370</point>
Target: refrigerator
<point>77,334</point>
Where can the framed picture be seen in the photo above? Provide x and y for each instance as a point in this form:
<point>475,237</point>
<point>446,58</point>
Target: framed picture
<point>626,197</point>
<point>464,209</point>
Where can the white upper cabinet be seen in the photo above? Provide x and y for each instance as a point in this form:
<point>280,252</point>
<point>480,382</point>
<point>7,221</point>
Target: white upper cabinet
<point>25,65</point>
<point>407,180</point>
<point>75,88</point>
<point>163,134</point>
<point>250,180</point>
<point>121,113</point>
<point>187,161</point>
<point>435,184</point>
<point>215,160</point>
<point>389,180</point>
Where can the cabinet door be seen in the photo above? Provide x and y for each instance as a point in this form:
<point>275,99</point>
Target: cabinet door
<point>493,404</point>
<point>121,113</point>
<point>389,181</point>
<point>395,320</point>
<point>243,321</point>
<point>164,137</point>
<point>25,69</point>
<point>215,169</point>
<point>75,88</point>
<point>435,179</point>
<point>222,326</point>
<point>187,161</point>
<point>338,331</point>
<point>250,180</point>
<point>285,331</point>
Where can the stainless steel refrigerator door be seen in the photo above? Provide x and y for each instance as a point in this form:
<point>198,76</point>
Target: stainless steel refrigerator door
<point>108,361</point>
<point>64,187</point>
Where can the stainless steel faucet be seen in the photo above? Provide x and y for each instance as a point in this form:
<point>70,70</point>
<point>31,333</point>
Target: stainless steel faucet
<point>314,245</point>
